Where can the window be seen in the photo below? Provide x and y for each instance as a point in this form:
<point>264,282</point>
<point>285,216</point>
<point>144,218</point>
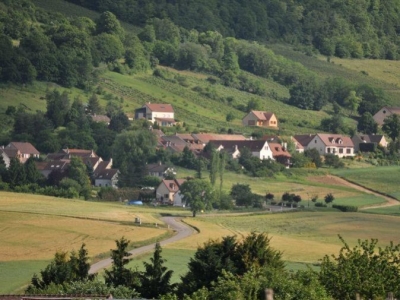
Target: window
<point>315,141</point>
<point>166,196</point>
<point>328,150</point>
<point>341,150</point>
<point>348,151</point>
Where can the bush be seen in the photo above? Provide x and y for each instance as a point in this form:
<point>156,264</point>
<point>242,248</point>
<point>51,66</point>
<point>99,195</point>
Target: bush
<point>320,204</point>
<point>345,208</point>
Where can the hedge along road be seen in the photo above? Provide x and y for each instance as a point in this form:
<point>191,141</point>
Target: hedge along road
<point>182,231</point>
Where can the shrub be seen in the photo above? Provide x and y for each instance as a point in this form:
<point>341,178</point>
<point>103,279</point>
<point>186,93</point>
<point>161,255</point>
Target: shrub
<point>345,208</point>
<point>320,204</point>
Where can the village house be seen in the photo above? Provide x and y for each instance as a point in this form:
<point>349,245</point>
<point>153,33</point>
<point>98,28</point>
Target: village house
<point>385,112</point>
<point>260,119</point>
<point>101,119</point>
<point>258,148</point>
<point>58,163</point>
<point>327,143</point>
<point>19,150</point>
<point>160,114</point>
<point>280,154</point>
<point>160,170</point>
<point>377,139</point>
<point>168,192</point>
<point>301,141</point>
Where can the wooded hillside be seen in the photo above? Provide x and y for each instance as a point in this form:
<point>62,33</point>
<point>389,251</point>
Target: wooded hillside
<point>361,28</point>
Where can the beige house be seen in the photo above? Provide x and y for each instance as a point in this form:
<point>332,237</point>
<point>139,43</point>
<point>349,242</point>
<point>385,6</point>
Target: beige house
<point>168,191</point>
<point>161,114</point>
<point>385,112</point>
<point>327,143</point>
<point>377,139</point>
<point>21,151</point>
<point>260,119</point>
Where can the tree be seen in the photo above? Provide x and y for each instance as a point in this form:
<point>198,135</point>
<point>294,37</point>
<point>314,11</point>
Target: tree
<point>119,122</point>
<point>231,256</point>
<point>314,156</point>
<point>214,166</point>
<point>119,274</point>
<point>352,101</point>
<point>363,269</point>
<point>155,280</point>
<point>333,160</point>
<point>62,270</point>
<point>197,194</point>
<point>367,124</point>
<point>329,198</point>
<point>15,174</point>
<point>131,151</point>
<point>108,23</point>
<point>31,172</point>
<point>391,126</point>
<point>77,171</point>
<point>94,106</point>
<point>242,194</point>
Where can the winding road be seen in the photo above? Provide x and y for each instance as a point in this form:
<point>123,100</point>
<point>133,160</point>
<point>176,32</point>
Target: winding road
<point>182,231</point>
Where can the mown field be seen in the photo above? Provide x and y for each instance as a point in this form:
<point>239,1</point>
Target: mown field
<point>381,179</point>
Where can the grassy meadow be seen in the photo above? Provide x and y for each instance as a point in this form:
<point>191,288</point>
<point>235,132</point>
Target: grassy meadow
<point>381,179</point>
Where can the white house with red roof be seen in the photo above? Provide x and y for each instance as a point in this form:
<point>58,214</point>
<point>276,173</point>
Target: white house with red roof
<point>21,151</point>
<point>168,192</point>
<point>261,119</point>
<point>329,143</point>
<point>161,114</point>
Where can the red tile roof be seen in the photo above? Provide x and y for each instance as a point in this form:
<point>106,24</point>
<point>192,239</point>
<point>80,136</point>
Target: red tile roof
<point>160,107</point>
<point>337,140</point>
<point>278,150</point>
<point>206,137</point>
<point>262,115</point>
<point>24,148</point>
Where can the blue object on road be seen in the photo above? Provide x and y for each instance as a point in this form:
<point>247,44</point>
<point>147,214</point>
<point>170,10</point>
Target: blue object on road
<point>135,202</point>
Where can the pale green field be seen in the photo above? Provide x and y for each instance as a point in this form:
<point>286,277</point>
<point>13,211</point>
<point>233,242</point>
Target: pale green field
<point>381,179</point>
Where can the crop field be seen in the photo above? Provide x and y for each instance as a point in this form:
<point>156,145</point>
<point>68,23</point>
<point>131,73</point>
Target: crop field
<point>304,236</point>
<point>381,179</point>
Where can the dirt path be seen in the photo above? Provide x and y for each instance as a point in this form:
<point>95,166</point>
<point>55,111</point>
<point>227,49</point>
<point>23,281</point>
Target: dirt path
<point>389,201</point>
<point>182,231</point>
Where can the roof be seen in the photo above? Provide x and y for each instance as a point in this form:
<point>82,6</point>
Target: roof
<point>394,109</point>
<point>170,184</point>
<point>370,138</point>
<point>303,139</point>
<point>157,167</point>
<point>101,118</point>
<point>185,136</point>
<point>206,137</point>
<point>107,174</point>
<point>160,107</point>
<point>24,148</point>
<point>172,140</point>
<point>252,145</point>
<point>80,152</point>
<point>337,140</point>
<point>262,115</point>
<point>11,153</point>
<point>278,150</point>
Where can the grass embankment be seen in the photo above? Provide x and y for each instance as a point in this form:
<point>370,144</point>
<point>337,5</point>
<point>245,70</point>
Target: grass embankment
<point>381,179</point>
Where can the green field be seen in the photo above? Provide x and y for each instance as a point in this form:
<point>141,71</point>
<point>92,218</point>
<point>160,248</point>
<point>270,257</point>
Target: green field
<point>382,179</point>
<point>391,210</point>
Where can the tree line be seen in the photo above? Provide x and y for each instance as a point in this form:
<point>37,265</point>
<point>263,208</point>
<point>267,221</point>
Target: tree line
<point>229,268</point>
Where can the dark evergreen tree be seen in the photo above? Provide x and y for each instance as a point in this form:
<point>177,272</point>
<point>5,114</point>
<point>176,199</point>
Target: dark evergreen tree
<point>155,280</point>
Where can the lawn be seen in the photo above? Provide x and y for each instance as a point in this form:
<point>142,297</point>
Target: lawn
<point>390,210</point>
<point>381,179</point>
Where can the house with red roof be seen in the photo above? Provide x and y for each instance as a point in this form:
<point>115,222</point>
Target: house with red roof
<point>161,114</point>
<point>327,143</point>
<point>20,150</point>
<point>260,119</point>
<point>168,192</point>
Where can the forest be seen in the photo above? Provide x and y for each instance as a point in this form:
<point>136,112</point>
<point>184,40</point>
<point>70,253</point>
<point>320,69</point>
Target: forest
<point>362,28</point>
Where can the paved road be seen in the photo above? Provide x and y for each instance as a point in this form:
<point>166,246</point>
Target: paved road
<point>182,231</point>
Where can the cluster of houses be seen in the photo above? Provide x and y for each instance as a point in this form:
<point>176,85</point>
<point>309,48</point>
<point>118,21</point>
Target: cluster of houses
<point>268,147</point>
